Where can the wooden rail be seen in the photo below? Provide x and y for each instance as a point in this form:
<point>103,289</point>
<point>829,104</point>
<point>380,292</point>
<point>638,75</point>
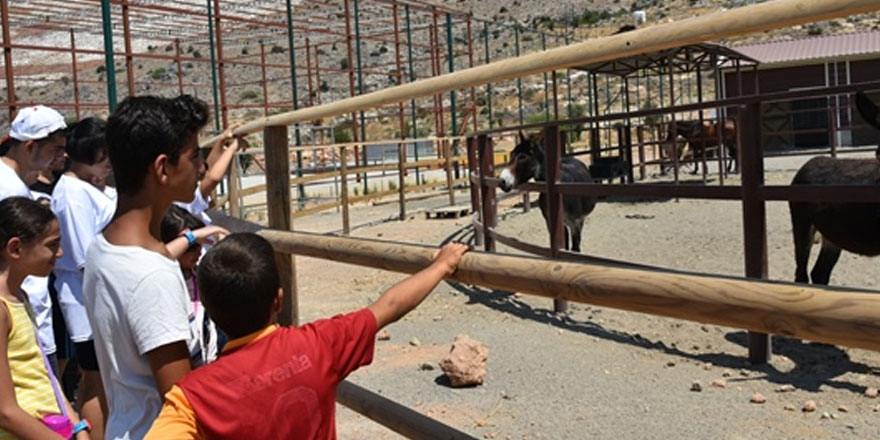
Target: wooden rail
<point>837,316</point>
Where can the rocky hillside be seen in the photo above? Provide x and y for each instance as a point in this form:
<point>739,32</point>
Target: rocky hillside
<point>50,81</point>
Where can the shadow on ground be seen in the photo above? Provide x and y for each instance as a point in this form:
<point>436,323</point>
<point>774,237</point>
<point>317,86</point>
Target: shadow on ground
<point>816,364</point>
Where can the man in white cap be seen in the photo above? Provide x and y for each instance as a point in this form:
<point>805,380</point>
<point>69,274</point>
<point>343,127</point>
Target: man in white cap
<point>36,138</point>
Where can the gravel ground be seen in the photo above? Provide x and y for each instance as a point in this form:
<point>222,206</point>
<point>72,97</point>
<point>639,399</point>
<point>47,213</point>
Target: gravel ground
<point>599,372</point>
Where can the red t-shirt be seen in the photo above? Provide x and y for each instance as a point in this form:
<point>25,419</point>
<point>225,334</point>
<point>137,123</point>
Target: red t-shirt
<point>281,386</point>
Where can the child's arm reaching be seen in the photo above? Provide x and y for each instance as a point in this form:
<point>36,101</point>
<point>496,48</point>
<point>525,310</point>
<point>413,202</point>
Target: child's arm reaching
<point>179,245</point>
<point>409,293</point>
<point>220,159</point>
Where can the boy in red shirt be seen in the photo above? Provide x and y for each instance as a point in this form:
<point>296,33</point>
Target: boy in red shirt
<point>278,382</point>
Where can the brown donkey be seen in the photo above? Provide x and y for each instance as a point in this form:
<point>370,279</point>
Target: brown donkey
<point>854,227</point>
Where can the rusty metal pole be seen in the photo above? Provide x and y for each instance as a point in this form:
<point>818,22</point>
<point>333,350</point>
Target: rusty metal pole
<point>129,59</point>
<point>438,112</point>
<point>75,75</point>
<point>221,71</point>
<point>309,72</point>
<point>401,147</point>
<point>702,119</point>
<point>675,152</point>
<point>555,226</point>
<point>720,120</point>
<point>318,74</point>
<point>754,214</point>
<point>7,58</point>
<point>470,43</point>
<point>179,66</point>
<point>351,89</point>
<point>263,76</point>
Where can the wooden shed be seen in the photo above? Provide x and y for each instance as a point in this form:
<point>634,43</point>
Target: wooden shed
<point>812,62</point>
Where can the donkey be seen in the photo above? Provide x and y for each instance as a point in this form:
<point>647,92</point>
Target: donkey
<point>697,135</point>
<point>854,227</point>
<point>527,162</point>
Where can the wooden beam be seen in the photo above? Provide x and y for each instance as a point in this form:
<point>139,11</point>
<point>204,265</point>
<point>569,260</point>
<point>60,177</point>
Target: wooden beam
<point>277,188</point>
<point>713,26</point>
<point>395,416</point>
<point>837,316</point>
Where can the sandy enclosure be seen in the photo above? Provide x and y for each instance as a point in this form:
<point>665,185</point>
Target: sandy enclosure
<point>599,372</point>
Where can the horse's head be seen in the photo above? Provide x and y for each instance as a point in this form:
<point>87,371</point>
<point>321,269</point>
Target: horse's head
<point>526,161</point>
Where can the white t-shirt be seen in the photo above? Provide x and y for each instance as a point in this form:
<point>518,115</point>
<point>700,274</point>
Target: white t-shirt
<point>10,184</point>
<point>198,206</point>
<point>137,301</point>
<point>83,211</point>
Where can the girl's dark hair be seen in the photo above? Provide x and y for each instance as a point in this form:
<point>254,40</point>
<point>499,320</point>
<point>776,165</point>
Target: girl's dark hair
<point>176,220</point>
<point>86,142</point>
<point>23,218</point>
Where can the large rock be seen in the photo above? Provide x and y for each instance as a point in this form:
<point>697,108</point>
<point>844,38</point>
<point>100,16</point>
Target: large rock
<point>465,365</point>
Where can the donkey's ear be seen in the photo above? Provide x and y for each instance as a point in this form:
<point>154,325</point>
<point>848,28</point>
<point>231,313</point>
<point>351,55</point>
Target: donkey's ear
<point>522,136</point>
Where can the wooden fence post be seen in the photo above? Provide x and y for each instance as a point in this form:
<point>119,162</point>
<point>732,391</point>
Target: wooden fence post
<point>754,215</point>
<point>640,137</point>
<point>487,171</point>
<point>401,178</point>
<point>447,147</point>
<point>553,147</point>
<point>474,171</point>
<point>235,188</point>
<point>278,189</point>
<point>343,188</point>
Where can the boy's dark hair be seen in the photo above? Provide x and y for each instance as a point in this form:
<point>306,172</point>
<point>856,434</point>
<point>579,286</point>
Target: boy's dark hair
<point>143,127</point>
<point>86,142</point>
<point>177,219</point>
<point>23,218</point>
<point>238,282</point>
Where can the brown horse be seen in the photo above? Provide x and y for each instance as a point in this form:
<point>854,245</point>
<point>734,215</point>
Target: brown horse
<point>854,227</point>
<point>697,136</point>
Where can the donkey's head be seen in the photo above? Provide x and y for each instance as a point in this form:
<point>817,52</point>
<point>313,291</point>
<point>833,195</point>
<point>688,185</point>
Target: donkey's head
<point>526,161</point>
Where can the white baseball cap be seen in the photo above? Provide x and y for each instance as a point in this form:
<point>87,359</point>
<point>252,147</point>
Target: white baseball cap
<point>37,122</point>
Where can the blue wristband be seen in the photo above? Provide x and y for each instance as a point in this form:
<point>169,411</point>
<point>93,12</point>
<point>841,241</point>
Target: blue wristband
<point>190,237</point>
<point>82,425</point>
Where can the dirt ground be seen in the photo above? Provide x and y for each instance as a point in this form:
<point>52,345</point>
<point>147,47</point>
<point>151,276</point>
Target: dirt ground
<point>599,372</point>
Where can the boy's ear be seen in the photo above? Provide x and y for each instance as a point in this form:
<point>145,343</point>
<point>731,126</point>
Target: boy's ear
<point>279,299</point>
<point>160,168</point>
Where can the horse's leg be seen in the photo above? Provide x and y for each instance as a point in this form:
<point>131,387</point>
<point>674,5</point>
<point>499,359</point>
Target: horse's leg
<point>828,257</point>
<point>801,227</point>
<point>566,235</point>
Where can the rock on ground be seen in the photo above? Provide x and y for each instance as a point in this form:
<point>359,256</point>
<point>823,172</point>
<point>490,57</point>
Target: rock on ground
<point>465,365</point>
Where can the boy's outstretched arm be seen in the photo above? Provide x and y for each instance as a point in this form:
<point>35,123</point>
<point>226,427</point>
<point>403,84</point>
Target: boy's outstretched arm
<point>409,293</point>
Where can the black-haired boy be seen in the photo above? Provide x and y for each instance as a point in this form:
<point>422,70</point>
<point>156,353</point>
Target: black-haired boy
<point>278,382</point>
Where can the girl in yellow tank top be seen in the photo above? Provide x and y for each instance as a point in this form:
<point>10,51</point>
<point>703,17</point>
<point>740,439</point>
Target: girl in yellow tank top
<point>29,245</point>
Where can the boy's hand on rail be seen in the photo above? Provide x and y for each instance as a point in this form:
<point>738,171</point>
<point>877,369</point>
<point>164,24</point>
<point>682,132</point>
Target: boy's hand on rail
<point>448,257</point>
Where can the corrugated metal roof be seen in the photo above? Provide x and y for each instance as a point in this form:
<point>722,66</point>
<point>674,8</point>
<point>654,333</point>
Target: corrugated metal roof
<point>813,48</point>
